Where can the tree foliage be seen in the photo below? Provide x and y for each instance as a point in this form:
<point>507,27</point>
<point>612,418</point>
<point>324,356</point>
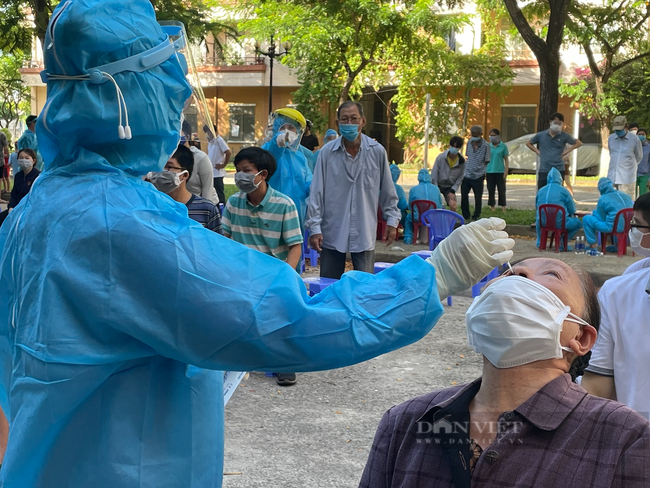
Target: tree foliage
<point>14,96</point>
<point>612,37</point>
<point>341,46</point>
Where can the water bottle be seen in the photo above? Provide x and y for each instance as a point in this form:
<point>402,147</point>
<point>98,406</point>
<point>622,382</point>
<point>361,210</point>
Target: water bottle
<point>577,245</point>
<point>582,244</point>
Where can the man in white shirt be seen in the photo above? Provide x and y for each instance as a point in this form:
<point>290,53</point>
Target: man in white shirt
<point>219,154</point>
<point>625,154</point>
<point>352,179</point>
<point>620,361</point>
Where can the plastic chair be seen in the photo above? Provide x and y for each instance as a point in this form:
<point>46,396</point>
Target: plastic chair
<point>381,266</point>
<point>421,206</point>
<point>317,284</point>
<point>308,252</point>
<point>549,213</point>
<point>476,289</point>
<point>441,223</point>
<point>621,237</point>
<point>221,207</point>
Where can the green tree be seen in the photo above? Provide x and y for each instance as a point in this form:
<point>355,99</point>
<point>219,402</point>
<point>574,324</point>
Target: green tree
<point>14,96</point>
<point>617,31</point>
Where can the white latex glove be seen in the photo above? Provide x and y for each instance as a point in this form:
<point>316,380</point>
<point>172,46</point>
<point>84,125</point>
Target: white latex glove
<point>281,139</point>
<point>469,254</point>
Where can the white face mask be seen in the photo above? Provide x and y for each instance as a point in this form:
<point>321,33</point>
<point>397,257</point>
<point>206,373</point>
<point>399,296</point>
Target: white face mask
<point>635,237</point>
<point>517,321</point>
<point>556,128</point>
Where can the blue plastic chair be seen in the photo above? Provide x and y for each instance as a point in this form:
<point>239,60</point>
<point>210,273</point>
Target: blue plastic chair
<point>308,252</point>
<point>476,289</point>
<point>317,284</point>
<point>440,223</point>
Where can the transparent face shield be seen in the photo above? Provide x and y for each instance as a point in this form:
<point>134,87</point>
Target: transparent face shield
<point>196,122</point>
<point>286,131</point>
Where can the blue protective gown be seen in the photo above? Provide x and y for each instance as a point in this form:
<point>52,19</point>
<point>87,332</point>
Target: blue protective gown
<point>29,141</point>
<point>292,176</point>
<point>118,313</point>
<point>309,156</point>
<point>554,193</point>
<point>424,190</point>
<point>402,203</point>
<point>611,201</point>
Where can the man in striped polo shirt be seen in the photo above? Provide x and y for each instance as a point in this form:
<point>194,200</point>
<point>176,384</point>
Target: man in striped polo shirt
<point>263,218</point>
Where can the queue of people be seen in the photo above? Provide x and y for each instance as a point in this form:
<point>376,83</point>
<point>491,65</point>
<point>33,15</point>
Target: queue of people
<point>125,306</point>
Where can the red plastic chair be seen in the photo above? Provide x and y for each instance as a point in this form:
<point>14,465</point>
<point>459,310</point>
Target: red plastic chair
<point>421,206</point>
<point>550,214</point>
<point>621,237</point>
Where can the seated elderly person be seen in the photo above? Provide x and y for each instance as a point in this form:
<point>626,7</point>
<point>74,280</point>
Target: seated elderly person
<point>611,201</point>
<point>524,423</point>
<point>555,194</point>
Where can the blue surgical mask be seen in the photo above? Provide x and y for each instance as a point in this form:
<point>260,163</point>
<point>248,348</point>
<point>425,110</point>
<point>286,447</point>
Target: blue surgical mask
<point>476,139</point>
<point>641,137</point>
<point>349,131</point>
<point>453,150</point>
<point>620,133</point>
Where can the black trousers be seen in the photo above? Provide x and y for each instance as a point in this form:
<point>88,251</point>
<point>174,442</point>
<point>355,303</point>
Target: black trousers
<point>495,181</point>
<point>332,262</point>
<point>542,179</point>
<point>218,186</point>
<point>476,185</point>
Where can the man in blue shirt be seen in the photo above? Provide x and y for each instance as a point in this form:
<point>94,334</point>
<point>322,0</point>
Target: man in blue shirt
<point>551,148</point>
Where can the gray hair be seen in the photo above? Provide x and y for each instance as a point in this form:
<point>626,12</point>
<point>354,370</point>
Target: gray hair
<point>347,104</point>
<point>477,128</point>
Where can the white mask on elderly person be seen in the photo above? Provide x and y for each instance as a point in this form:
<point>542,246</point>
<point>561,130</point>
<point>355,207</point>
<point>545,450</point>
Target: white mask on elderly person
<point>636,236</point>
<point>517,321</point>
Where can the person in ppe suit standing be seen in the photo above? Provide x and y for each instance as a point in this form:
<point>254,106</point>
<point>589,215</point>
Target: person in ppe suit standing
<point>293,176</point>
<point>120,318</point>
<point>424,190</point>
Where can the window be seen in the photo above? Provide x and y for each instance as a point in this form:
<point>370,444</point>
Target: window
<point>517,121</point>
<point>242,123</point>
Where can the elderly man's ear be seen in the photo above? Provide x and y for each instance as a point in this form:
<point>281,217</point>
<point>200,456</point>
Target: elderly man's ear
<point>584,340</point>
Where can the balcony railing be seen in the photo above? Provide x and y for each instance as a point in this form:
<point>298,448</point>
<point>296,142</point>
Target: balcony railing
<point>213,60</point>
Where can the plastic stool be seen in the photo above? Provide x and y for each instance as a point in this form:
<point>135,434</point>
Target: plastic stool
<point>476,289</point>
<point>423,254</point>
<point>382,266</point>
<point>317,284</point>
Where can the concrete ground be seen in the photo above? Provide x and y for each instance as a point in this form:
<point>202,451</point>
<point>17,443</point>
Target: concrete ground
<point>318,433</point>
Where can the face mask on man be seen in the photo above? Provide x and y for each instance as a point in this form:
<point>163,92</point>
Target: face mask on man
<point>620,133</point>
<point>556,128</point>
<point>634,131</point>
<point>636,236</point>
<point>165,181</point>
<point>246,181</point>
<point>286,138</point>
<point>476,138</point>
<point>517,321</point>
<point>25,164</point>
<point>453,150</point>
<point>495,140</point>
<point>349,131</point>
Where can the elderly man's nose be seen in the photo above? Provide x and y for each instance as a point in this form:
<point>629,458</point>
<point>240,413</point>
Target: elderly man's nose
<point>521,271</point>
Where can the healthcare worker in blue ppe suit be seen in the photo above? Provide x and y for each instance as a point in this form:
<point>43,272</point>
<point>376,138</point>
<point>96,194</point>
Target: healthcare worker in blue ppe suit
<point>611,201</point>
<point>293,176</point>
<point>424,190</point>
<point>119,317</point>
<point>402,203</point>
<point>555,194</point>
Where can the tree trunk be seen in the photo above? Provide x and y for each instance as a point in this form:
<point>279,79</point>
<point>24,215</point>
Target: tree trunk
<point>549,80</point>
<point>345,93</point>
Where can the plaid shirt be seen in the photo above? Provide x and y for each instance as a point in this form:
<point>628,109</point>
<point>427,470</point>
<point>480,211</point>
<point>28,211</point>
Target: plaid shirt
<point>561,436</point>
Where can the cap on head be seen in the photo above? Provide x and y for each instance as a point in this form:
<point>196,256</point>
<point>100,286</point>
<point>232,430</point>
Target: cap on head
<point>619,122</point>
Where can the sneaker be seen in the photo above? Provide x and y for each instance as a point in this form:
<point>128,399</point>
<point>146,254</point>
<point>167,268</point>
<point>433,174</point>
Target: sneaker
<point>286,379</point>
